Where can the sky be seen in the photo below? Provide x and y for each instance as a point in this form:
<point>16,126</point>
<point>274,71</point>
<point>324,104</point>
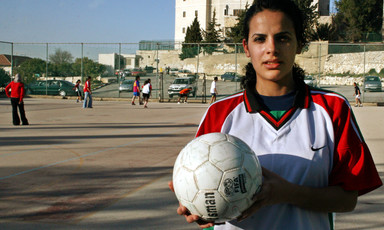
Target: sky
<point>86,21</point>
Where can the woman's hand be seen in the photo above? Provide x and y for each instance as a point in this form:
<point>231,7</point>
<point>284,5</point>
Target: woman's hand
<point>273,191</point>
<point>183,211</point>
<point>276,189</point>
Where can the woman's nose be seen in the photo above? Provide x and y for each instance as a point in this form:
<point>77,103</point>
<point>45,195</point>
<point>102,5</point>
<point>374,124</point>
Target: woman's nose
<point>271,46</point>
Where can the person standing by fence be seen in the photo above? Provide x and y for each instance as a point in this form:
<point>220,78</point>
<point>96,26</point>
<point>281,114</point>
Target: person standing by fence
<point>147,89</point>
<point>213,90</point>
<point>17,96</point>
<point>136,91</point>
<point>87,94</point>
<point>357,95</point>
<point>78,91</point>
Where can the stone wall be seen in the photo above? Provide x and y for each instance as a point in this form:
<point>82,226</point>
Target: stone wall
<point>328,65</point>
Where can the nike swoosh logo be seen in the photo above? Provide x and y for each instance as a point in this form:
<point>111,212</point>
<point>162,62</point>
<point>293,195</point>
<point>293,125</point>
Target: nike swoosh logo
<point>317,149</point>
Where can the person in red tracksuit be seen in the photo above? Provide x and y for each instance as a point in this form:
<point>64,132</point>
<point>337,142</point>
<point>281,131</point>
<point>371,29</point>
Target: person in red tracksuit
<point>17,95</point>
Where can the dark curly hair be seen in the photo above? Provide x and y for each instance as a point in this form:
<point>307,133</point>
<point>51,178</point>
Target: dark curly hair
<point>291,10</point>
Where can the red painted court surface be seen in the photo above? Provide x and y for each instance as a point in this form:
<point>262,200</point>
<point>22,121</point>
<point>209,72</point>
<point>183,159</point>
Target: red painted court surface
<point>108,167</point>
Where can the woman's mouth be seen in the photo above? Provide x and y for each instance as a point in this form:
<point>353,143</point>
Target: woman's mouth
<point>272,64</point>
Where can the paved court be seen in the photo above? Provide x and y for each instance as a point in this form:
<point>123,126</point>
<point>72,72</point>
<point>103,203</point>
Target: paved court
<point>108,167</point>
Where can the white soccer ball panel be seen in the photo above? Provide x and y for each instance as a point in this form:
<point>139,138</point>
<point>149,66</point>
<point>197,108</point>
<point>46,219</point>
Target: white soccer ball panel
<point>236,208</point>
<point>194,154</point>
<point>191,207</point>
<point>240,143</point>
<point>212,138</point>
<point>207,176</point>
<point>236,185</point>
<point>252,166</point>
<point>184,184</point>
<point>211,205</point>
<point>226,156</point>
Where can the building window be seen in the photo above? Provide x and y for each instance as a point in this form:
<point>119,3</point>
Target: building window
<point>226,10</point>
<point>183,30</point>
<point>184,14</point>
<point>237,12</point>
<point>196,13</point>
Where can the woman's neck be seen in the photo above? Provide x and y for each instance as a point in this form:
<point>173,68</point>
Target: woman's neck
<point>272,88</point>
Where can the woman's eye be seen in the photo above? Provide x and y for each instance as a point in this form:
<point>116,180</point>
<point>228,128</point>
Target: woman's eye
<point>259,39</point>
<point>283,39</point>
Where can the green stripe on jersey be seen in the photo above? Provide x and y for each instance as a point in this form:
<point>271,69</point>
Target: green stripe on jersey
<point>210,228</point>
<point>278,114</point>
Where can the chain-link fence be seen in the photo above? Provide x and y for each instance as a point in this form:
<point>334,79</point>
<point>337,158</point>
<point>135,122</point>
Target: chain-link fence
<point>114,66</point>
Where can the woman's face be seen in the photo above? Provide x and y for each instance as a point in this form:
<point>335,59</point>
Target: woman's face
<point>272,47</point>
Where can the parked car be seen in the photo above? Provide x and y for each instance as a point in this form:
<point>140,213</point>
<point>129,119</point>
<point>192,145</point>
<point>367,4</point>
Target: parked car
<point>51,87</point>
<point>372,83</point>
<point>230,76</point>
<point>183,73</point>
<point>311,81</point>
<point>173,71</point>
<point>149,69</point>
<point>127,72</point>
<point>126,85</point>
<point>138,72</point>
<point>182,83</point>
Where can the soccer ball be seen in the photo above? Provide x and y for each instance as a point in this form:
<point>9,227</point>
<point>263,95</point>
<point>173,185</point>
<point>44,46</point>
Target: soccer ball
<point>215,177</point>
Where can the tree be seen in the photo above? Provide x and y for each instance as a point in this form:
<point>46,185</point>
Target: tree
<point>61,70</point>
<point>310,15</point>
<point>355,19</point>
<point>60,57</point>
<point>91,68</point>
<point>211,35</point>
<point>190,48</point>
<point>4,78</point>
<point>31,69</point>
<point>323,32</point>
<point>235,35</point>
<point>61,63</point>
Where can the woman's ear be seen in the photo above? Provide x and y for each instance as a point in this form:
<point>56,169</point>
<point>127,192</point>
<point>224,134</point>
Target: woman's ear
<point>245,46</point>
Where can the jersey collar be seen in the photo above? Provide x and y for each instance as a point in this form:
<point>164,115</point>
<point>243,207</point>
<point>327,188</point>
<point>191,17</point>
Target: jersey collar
<point>254,104</point>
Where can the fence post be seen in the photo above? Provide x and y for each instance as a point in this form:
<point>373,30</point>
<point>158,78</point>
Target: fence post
<point>319,75</point>
<point>82,62</point>
<point>46,69</point>
<point>11,59</point>
<point>235,66</point>
<point>118,65</point>
<point>197,64</point>
<point>363,94</point>
<point>204,93</point>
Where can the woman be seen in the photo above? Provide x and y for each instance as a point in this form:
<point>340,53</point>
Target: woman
<point>147,89</point>
<point>136,91</point>
<point>78,91</point>
<point>314,159</point>
<point>17,95</point>
<point>87,93</point>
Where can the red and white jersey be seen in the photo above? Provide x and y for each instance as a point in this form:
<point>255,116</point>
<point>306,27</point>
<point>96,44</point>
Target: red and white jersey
<point>317,143</point>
